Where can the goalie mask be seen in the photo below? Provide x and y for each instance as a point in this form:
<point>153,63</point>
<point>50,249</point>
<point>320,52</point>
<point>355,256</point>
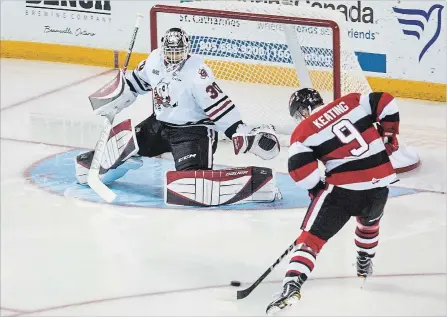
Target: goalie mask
<point>175,47</point>
<point>303,102</point>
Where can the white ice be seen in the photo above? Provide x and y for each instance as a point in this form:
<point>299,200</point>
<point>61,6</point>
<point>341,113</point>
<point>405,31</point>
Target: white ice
<point>64,257</point>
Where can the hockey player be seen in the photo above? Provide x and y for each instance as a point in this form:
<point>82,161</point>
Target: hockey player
<point>189,108</point>
<point>341,135</point>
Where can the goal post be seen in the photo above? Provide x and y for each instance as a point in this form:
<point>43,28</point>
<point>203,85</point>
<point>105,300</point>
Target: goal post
<point>262,53</point>
<point>253,17</point>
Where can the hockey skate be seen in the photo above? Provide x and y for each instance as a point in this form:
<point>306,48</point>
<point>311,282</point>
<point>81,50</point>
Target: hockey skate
<point>364,265</point>
<point>289,296</point>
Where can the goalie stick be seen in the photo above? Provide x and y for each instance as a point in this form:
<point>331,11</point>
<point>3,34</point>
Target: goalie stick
<point>93,179</point>
<point>245,292</point>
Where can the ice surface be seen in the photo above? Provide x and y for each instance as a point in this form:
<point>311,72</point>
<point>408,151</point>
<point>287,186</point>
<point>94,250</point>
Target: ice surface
<point>65,257</point>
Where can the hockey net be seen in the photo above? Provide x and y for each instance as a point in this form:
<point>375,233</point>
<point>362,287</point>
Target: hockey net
<point>262,53</point>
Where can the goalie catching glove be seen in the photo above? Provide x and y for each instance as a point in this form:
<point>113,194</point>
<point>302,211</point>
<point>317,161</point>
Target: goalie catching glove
<point>261,141</point>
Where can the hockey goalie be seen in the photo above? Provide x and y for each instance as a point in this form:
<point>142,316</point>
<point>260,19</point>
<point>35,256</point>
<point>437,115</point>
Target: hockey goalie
<point>189,110</point>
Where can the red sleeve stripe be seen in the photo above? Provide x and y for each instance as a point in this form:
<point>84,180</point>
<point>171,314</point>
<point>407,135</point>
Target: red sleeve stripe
<point>207,110</point>
<point>304,171</point>
<point>384,101</point>
<point>225,104</point>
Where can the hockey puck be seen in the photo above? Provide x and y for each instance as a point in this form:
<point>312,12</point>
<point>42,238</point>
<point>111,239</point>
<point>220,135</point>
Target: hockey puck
<point>235,283</point>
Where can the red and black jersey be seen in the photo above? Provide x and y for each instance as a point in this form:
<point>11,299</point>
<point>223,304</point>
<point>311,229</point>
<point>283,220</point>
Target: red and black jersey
<point>342,136</point>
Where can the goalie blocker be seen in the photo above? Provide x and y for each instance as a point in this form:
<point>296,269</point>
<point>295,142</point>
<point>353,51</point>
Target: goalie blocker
<point>207,188</point>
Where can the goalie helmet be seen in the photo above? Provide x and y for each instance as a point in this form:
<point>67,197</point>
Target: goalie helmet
<point>175,47</point>
<point>303,102</point>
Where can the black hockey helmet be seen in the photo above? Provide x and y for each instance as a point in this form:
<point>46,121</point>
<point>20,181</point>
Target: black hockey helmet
<point>175,46</point>
<point>303,101</point>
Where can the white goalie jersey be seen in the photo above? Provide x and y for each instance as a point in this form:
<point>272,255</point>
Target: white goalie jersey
<point>187,96</point>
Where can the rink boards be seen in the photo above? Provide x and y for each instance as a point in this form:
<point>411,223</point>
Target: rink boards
<point>113,59</point>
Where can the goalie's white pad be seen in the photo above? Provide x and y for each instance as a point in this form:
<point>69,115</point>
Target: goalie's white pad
<point>220,187</point>
<point>261,141</point>
<point>114,96</point>
<point>117,159</point>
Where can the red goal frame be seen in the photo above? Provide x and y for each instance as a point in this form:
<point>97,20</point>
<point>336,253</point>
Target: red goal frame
<point>256,17</point>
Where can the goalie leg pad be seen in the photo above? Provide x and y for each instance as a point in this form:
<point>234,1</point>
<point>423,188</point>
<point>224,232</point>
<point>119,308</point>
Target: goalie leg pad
<point>118,157</point>
<point>220,187</point>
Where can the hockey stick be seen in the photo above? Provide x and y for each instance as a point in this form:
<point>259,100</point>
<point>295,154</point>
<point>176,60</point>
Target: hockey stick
<point>245,292</point>
<point>93,179</point>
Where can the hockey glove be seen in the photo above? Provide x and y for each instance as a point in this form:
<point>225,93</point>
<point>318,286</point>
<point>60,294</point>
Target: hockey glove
<point>261,141</point>
<point>391,144</point>
<point>313,192</point>
<point>388,132</point>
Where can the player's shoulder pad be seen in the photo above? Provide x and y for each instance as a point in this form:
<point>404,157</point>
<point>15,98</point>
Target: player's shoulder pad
<point>155,52</point>
<point>154,55</point>
<point>352,98</point>
<point>302,131</point>
<point>355,95</point>
<point>198,70</point>
<point>151,60</point>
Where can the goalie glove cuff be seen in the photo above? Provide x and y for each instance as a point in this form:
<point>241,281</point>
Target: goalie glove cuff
<point>261,141</point>
<point>233,129</point>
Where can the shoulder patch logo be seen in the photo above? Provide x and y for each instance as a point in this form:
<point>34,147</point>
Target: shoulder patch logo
<point>141,66</point>
<point>203,74</point>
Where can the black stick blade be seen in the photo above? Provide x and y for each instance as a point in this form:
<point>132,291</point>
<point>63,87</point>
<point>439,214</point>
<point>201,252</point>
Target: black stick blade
<point>244,293</point>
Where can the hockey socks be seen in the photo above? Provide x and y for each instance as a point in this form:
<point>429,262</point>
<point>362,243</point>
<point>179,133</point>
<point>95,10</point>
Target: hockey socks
<point>303,259</point>
<point>367,238</point>
<point>301,263</point>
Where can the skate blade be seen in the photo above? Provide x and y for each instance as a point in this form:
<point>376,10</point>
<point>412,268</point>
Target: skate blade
<point>363,281</point>
<point>287,304</point>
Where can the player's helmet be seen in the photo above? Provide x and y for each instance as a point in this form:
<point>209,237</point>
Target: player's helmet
<point>303,101</point>
<point>175,46</point>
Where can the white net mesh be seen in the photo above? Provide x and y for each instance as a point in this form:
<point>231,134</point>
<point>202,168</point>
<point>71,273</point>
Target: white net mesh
<point>259,64</point>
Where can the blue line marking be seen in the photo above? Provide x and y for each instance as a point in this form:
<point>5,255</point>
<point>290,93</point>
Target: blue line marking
<point>144,187</point>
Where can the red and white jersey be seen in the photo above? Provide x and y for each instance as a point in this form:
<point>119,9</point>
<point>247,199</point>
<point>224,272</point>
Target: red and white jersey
<point>343,137</point>
<point>184,97</point>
